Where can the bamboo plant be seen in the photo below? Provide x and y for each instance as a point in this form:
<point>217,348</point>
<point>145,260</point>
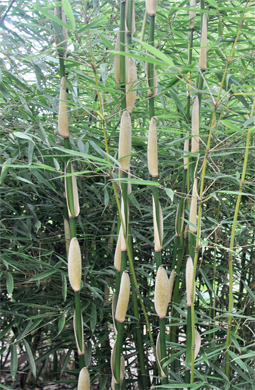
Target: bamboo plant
<point>71,194</point>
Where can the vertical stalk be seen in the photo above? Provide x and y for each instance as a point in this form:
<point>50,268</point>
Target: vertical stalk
<point>188,345</point>
<point>162,326</point>
<point>202,179</point>
<point>142,371</point>
<point>177,264</point>
<point>231,248</point>
<point>129,20</point>
<point>122,57</point>
<point>119,345</point>
<point>151,67</point>
<point>64,132</point>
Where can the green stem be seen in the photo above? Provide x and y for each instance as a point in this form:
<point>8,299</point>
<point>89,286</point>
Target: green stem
<point>78,325</point>
<point>156,202</point>
<point>132,270</point>
<point>129,21</point>
<point>162,324</point>
<point>231,248</point>
<point>177,262</point>
<point>202,179</point>
<point>188,345</point>
<point>158,259</point>
<point>142,371</point>
<point>122,57</point>
<point>189,73</point>
<point>69,185</point>
<point>200,87</point>
<point>72,227</point>
<point>119,346</point>
<point>62,67</point>
<point>151,67</point>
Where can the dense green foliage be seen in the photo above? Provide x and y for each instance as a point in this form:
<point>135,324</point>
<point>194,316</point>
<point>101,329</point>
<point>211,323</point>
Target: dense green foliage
<point>36,300</point>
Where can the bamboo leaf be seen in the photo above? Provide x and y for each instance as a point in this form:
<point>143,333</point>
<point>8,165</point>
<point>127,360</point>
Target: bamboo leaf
<point>14,360</point>
<point>51,16</point>
<point>69,13</point>
<point>170,193</point>
<point>43,275</point>
<point>5,168</point>
<point>106,42</point>
<point>5,387</point>
<point>9,283</point>
<point>206,280</point>
<point>61,323</point>
<point>157,53</point>
<point>30,358</point>
<point>18,134</point>
<point>238,361</point>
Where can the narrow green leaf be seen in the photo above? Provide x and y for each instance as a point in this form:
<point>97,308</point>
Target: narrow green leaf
<point>103,383</point>
<point>247,355</point>
<point>61,323</point>
<point>213,3</point>
<point>170,193</point>
<point>9,283</point>
<point>133,199</point>
<point>43,275</point>
<point>230,125</point>
<point>64,286</point>
<point>250,292</point>
<point>52,17</point>
<point>4,171</point>
<point>93,318</point>
<point>182,386</point>
<point>157,53</point>
<point>69,13</point>
<point>66,361</point>
<point>177,101</point>
<point>14,360</point>
<point>18,134</point>
<point>30,358</point>
<point>143,58</point>
<point>88,354</point>
<point>106,197</point>
<point>30,151</point>
<point>4,92</point>
<point>206,280</point>
<point>106,42</point>
<point>238,361</point>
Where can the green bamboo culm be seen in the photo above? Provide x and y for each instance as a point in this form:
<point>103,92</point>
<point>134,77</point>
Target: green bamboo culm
<point>143,376</point>
<point>192,21</point>
<point>120,315</point>
<point>190,298</point>
<point>152,153</point>
<point>151,8</point>
<point>152,158</point>
<point>71,191</point>
<point>231,247</point>
<point>178,258</point>
<point>125,141</point>
<point>203,56</point>
<point>161,302</point>
<point>130,20</point>
<point>122,57</point>
<point>203,174</point>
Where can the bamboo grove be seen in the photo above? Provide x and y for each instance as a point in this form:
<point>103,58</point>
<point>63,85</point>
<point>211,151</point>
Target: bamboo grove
<point>127,194</point>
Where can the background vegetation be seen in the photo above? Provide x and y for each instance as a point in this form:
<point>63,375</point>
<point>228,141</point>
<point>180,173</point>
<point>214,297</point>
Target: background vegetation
<point>36,307</point>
